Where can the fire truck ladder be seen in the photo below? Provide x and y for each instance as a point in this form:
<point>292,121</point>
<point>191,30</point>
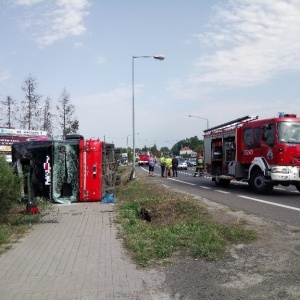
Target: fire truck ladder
<point>231,124</point>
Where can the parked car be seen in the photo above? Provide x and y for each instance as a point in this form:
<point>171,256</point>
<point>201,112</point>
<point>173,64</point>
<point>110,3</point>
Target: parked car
<point>182,165</point>
<point>192,162</point>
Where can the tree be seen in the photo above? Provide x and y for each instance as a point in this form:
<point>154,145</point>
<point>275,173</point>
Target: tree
<point>176,148</point>
<point>66,109</point>
<point>9,107</point>
<point>154,150</point>
<point>193,143</point>
<point>74,126</point>
<point>30,110</point>
<point>10,187</point>
<point>47,124</point>
<point>165,151</point>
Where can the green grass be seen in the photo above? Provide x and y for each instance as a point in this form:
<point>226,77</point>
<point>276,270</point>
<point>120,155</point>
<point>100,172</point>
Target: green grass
<point>10,233</point>
<point>14,225</point>
<point>180,226</point>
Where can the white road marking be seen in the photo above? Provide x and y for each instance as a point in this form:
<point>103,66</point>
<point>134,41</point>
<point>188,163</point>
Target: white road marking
<point>171,178</point>
<point>224,192</point>
<point>270,203</point>
<point>205,187</point>
<point>181,181</point>
<point>237,182</point>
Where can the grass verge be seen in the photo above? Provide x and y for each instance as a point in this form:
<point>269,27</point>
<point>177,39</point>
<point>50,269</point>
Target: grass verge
<point>15,224</point>
<point>160,226</point>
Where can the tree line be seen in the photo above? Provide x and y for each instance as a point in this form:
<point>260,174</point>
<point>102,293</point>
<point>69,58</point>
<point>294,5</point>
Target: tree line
<point>36,113</point>
<point>193,143</point>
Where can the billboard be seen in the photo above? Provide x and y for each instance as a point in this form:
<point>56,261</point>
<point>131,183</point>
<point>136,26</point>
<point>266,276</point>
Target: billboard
<point>9,136</point>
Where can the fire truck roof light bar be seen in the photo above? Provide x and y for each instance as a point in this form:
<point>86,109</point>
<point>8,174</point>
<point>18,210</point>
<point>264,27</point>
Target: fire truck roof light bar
<point>232,123</point>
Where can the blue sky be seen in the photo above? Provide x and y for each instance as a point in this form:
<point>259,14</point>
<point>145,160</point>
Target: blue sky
<point>223,60</point>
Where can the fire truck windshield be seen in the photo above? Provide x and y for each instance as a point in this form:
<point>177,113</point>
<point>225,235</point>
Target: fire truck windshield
<point>289,132</point>
<point>144,153</point>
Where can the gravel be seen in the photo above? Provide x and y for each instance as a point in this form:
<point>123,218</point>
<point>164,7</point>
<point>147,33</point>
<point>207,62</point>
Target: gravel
<point>265,269</point>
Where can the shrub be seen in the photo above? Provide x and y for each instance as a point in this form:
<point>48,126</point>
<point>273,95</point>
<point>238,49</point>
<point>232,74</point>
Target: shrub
<point>10,187</point>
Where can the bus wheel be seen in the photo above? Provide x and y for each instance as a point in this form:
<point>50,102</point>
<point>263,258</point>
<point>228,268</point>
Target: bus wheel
<point>259,184</point>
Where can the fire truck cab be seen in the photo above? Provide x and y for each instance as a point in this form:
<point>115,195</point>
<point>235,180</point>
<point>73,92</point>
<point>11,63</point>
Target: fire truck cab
<point>265,152</point>
<point>143,158</point>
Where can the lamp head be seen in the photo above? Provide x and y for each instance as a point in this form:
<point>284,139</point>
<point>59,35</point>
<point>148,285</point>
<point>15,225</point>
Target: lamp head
<point>159,57</point>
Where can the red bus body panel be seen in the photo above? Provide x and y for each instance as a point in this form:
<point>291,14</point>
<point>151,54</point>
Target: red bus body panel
<point>90,175</point>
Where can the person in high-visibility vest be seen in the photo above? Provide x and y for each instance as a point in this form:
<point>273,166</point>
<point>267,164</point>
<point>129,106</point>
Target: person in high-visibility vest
<point>200,165</point>
<point>162,162</point>
<point>169,166</point>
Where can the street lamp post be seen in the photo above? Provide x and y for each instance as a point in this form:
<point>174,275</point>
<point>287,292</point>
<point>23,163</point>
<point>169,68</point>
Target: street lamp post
<point>158,57</point>
<point>129,136</point>
<point>127,139</point>
<point>207,125</point>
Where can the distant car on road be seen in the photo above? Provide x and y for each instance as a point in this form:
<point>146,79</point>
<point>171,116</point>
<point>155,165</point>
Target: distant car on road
<point>182,165</point>
<point>192,162</point>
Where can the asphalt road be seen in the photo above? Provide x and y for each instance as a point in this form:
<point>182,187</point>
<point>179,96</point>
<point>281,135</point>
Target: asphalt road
<point>282,205</point>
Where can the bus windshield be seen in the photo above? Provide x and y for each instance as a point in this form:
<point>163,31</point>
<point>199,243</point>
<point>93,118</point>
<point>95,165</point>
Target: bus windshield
<point>289,132</point>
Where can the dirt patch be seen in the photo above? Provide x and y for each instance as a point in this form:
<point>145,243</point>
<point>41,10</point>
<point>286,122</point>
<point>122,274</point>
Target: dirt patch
<point>172,210</point>
<point>268,268</point>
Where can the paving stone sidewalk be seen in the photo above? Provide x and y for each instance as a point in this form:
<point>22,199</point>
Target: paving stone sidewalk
<point>79,257</point>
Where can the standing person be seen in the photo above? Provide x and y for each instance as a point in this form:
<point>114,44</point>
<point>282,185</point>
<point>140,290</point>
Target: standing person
<point>199,165</point>
<point>151,164</point>
<point>168,166</point>
<point>162,162</point>
<point>174,165</point>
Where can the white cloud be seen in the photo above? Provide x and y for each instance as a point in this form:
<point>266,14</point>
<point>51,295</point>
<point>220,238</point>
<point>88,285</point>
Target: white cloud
<point>252,41</point>
<point>27,2</point>
<point>65,20</point>
<point>4,75</point>
<point>104,100</point>
<point>114,107</point>
<point>186,89</point>
<point>55,20</point>
<point>100,60</point>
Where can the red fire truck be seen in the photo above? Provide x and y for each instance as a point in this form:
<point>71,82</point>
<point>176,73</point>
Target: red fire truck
<point>143,158</point>
<point>264,153</point>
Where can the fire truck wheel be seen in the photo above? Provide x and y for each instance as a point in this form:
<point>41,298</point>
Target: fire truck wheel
<point>218,181</point>
<point>259,184</point>
<point>298,187</point>
<point>224,182</point>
